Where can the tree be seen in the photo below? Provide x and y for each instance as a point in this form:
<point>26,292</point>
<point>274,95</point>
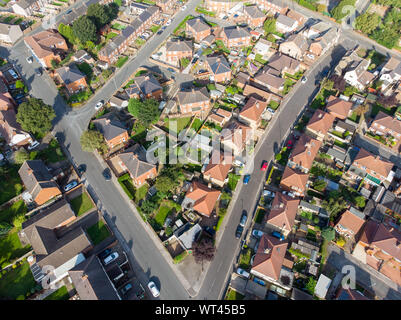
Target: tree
<point>19,84</point>
<point>334,205</point>
<point>112,11</point>
<point>84,29</point>
<point>148,206</point>
<point>92,140</point>
<point>54,64</point>
<point>168,179</point>
<point>388,101</point>
<point>343,9</point>
<point>328,234</point>
<point>367,22</point>
<point>66,32</point>
<point>5,228</point>
<point>146,111</point>
<point>327,84</point>
<point>269,26</point>
<point>310,286</point>
<point>35,116</point>
<point>360,201</point>
<point>21,156</point>
<point>99,14</point>
<point>338,82</point>
<point>203,250</point>
<point>320,185</point>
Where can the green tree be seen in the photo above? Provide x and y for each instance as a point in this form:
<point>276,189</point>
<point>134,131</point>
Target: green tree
<point>343,9</point>
<point>19,84</point>
<point>269,26</point>
<point>112,10</point>
<point>21,156</point>
<point>54,64</point>
<point>35,116</point>
<point>146,111</point>
<point>367,22</point>
<point>92,140</point>
<point>148,207</point>
<point>334,205</point>
<point>84,29</point>
<point>328,234</point>
<point>360,201</point>
<point>321,8</point>
<point>310,285</point>
<point>320,185</point>
<point>99,14</point>
<point>5,228</point>
<point>66,32</point>
<point>169,179</point>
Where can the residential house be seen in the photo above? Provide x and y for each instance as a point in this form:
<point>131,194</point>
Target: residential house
<point>27,8</point>
<point>303,153</point>
<point>61,250</point>
<point>251,113</point>
<point>46,46</point>
<point>236,136</point>
<point>283,64</point>
<point>242,79</point>
<point>320,44</point>
<point>201,198</point>
<point>390,73</point>
<point>282,213</point>
<point>113,130</point>
<point>178,49</point>
<point>219,68</point>
<point>133,160</point>
<point>294,181</point>
<point>262,47</point>
<point>371,167</point>
<point>194,102</point>
<point>285,24</point>
<point>236,36</point>
<point>386,125</point>
<point>82,56</point>
<point>270,80</point>
<point>272,8</point>
<point>219,6</point>
<point>217,169</point>
<point>254,16</point>
<point>320,123</point>
<point>91,282</point>
<point>165,5</point>
<point>350,223</point>
<point>257,91</point>
<point>338,107</point>
<point>197,28</point>
<point>145,87</point>
<point>301,19</point>
<point>10,33</point>
<point>269,258</point>
<point>73,79</point>
<point>295,46</point>
<point>38,181</point>
<point>220,117</point>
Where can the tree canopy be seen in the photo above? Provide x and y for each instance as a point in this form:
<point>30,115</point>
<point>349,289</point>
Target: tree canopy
<point>84,29</point>
<point>21,156</point>
<point>269,25</point>
<point>99,14</point>
<point>146,111</point>
<point>92,140</point>
<point>35,116</point>
<point>67,32</point>
<point>328,234</point>
<point>367,22</point>
<point>168,179</point>
<point>343,9</point>
<point>203,250</point>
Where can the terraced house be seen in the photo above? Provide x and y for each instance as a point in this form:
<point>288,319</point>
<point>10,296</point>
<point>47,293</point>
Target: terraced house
<point>386,125</point>
<point>178,49</point>
<point>197,28</point>
<point>194,102</point>
<point>236,36</point>
<point>219,68</point>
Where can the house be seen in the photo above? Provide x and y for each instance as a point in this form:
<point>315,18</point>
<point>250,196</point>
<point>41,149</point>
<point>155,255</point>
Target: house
<point>350,223</point>
<point>271,7</point>
<point>188,234</point>
<point>217,169</point>
<point>133,160</point>
<point>145,87</point>
<point>338,107</point>
<point>220,117</point>
<point>195,101</point>
<point>319,45</point>
<point>201,198</point>
<point>251,113</point>
<point>27,8</point>
<point>285,24</point>
<point>303,153</point>
<point>283,64</point>
<point>61,250</point>
<point>386,125</point>
<point>82,56</point>
<point>294,181</point>
<point>10,33</point>
<point>322,286</point>
<point>165,5</point>
<point>219,6</point>
<point>390,73</point>
<point>242,79</point>
<point>301,19</point>
<point>295,46</point>
<point>178,49</point>
<point>268,261</point>
<point>38,181</point>
<point>258,92</point>
<point>254,16</point>
<point>113,130</point>
<point>282,214</point>
<point>219,68</point>
<point>117,102</point>
<point>236,36</point>
<point>46,46</point>
<point>379,247</point>
<point>197,28</point>
<point>91,281</point>
<point>320,123</point>
<point>73,79</point>
<point>236,136</point>
<point>371,167</point>
<point>262,47</point>
<point>350,294</point>
<point>270,80</point>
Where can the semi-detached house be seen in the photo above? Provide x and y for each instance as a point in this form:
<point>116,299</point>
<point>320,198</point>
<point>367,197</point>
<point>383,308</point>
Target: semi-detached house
<point>386,125</point>
<point>236,36</point>
<point>194,102</point>
<point>197,28</point>
<point>178,49</point>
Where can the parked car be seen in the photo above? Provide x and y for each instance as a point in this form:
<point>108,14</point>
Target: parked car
<point>290,144</point>
<point>13,74</point>
<point>259,281</point>
<point>99,105</point>
<point>71,185</point>
<point>291,194</point>
<point>39,71</point>
<point>160,32</point>
<point>171,70</point>
<point>152,287</point>
<point>168,22</point>
<point>210,231</point>
<point>304,79</point>
<point>104,253</point>
<point>126,288</point>
<point>278,235</point>
<point>69,11</point>
<point>183,8</point>
<point>109,259</point>
<point>238,232</point>
<point>247,177</point>
<point>243,219</point>
<point>29,59</point>
<point>33,145</point>
<point>257,233</point>
<point>264,165</point>
<point>268,193</point>
<point>243,273</point>
<point>107,174</point>
<point>81,168</point>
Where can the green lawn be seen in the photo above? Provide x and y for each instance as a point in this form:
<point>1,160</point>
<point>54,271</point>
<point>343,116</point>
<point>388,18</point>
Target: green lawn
<point>165,208</point>
<point>126,183</point>
<point>14,214</point>
<point>98,232</point>
<point>196,125</point>
<point>354,117</point>
<point>11,248</point>
<point>141,192</point>
<point>120,62</point>
<point>59,294</point>
<point>17,282</point>
<point>111,35</point>
<point>155,28</point>
<point>207,51</point>
<point>139,42</point>
<point>245,259</point>
<point>258,58</point>
<point>377,107</point>
<point>118,26</point>
<point>233,295</point>
<point>10,183</point>
<point>222,47</point>
<point>81,204</point>
<point>274,104</point>
<point>182,123</point>
<point>205,12</point>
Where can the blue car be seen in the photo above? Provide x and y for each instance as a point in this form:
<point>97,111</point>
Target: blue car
<point>247,178</point>
<point>278,235</point>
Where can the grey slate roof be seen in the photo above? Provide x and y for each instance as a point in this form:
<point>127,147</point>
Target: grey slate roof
<point>189,236</point>
<point>234,32</point>
<point>198,24</point>
<point>177,45</point>
<point>254,12</point>
<point>287,21</point>
<point>218,64</point>
<point>109,126</point>
<point>135,160</point>
<point>147,84</point>
<point>193,96</point>
<point>299,40</point>
<point>70,74</point>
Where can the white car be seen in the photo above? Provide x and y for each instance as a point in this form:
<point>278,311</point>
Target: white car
<point>99,105</point>
<point>33,145</point>
<point>71,185</point>
<point>168,22</point>
<point>183,8</point>
<point>109,259</point>
<point>29,59</point>
<point>304,79</point>
<point>243,273</point>
<point>152,287</point>
<point>292,195</point>
<point>268,193</point>
<point>257,233</point>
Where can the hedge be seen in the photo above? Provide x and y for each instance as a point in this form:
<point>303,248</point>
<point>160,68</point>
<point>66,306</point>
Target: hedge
<point>177,259</point>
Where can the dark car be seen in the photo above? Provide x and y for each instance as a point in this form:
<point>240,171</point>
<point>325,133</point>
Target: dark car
<point>238,232</point>
<point>160,32</point>
<point>126,288</point>
<point>81,168</point>
<point>69,11</point>
<point>104,253</point>
<point>209,231</point>
<point>107,174</point>
<point>39,71</point>
<point>243,219</point>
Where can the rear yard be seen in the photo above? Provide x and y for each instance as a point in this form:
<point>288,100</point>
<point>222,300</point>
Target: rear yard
<point>17,283</point>
<point>98,232</point>
<point>60,294</point>
<point>81,204</point>
<point>10,183</point>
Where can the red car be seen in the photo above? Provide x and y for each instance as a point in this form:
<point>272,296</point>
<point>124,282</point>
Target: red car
<point>264,165</point>
<point>290,144</point>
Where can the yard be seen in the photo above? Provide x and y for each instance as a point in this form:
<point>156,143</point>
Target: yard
<point>17,282</point>
<point>245,259</point>
<point>165,209</point>
<point>59,294</point>
<point>141,192</point>
<point>120,62</point>
<point>11,248</point>
<point>52,153</point>
<point>377,107</point>
<point>10,183</point>
<point>181,123</point>
<point>81,204</point>
<point>233,180</point>
<point>233,295</point>
<point>126,183</point>
<point>260,214</point>
<point>196,125</point>
<point>14,214</point>
<point>98,232</point>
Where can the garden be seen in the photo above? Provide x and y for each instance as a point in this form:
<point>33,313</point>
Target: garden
<point>18,282</point>
<point>98,232</point>
<point>81,204</point>
<point>10,183</point>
